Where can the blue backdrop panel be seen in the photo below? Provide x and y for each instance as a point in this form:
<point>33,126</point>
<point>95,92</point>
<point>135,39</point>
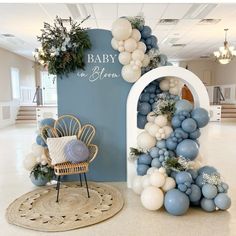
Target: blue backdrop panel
<point>98,95</point>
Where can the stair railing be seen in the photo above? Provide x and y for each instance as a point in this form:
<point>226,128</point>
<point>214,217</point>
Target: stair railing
<point>38,98</point>
<point>218,96</point>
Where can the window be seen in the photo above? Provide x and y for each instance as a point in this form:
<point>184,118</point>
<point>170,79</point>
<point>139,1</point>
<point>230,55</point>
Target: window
<point>15,83</point>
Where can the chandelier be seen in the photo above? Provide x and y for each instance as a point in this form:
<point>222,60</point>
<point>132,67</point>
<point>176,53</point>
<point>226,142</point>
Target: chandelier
<point>225,53</point>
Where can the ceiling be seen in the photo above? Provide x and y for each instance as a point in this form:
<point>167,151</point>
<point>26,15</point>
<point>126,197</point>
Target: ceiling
<point>24,21</point>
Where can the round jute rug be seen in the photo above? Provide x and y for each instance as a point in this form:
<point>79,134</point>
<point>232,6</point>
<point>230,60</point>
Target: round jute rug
<point>38,209</point>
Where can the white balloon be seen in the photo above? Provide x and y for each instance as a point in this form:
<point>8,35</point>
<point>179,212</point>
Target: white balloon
<point>137,185</point>
<point>130,45</point>
<point>146,60</point>
<point>132,62</point>
<point>169,184</point>
<point>161,120</point>
<point>121,29</point>
<point>114,44</point>
<point>121,43</point>
<point>151,170</point>
<point>153,129</point>
<point>152,198</point>
<point>145,140</point>
<point>37,149</point>
<point>142,46</point>
<point>129,74</point>
<point>162,170</point>
<point>147,126</point>
<point>174,91</point>
<point>164,85</point>
<point>151,116</point>
<point>121,49</point>
<point>136,35</point>
<point>157,179</point>
<point>43,162</point>
<point>124,58</point>
<point>30,161</point>
<point>168,130</point>
<point>138,63</point>
<point>138,55</point>
<point>38,159</point>
<point>135,67</point>
<point>146,181</point>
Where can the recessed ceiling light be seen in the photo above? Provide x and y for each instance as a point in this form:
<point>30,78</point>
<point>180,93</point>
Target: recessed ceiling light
<point>168,21</point>
<point>8,35</point>
<point>209,21</point>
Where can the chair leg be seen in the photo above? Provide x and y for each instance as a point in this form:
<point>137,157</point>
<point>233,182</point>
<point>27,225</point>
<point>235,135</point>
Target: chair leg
<point>86,185</point>
<point>80,177</point>
<point>58,187</point>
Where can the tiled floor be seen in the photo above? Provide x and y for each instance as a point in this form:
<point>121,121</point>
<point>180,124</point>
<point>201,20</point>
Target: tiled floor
<point>218,148</point>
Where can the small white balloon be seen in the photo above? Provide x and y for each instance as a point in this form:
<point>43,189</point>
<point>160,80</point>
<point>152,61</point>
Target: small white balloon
<point>135,67</point>
<point>130,45</point>
<point>121,49</point>
<point>147,126</point>
<point>124,58</point>
<point>151,170</point>
<point>132,62</point>
<point>137,185</point>
<point>168,130</point>
<point>138,63</point>
<point>169,184</point>
<point>30,161</point>
<point>152,198</point>
<point>146,60</point>
<point>129,74</point>
<point>146,181</point>
<point>161,120</point>
<point>151,116</point>
<point>145,140</point>
<point>121,43</point>
<point>153,129</point>
<point>136,35</point>
<point>114,44</point>
<point>137,55</point>
<point>157,179</point>
<point>162,170</point>
<point>121,29</point>
<point>164,85</point>
<point>142,46</point>
<point>43,162</point>
<point>174,91</point>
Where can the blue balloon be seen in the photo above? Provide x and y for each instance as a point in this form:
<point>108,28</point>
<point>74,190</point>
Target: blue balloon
<point>156,163</point>
<point>209,191</point>
<point>222,201</point>
<point>183,105</point>
<point>154,152</point>
<point>207,170</point>
<point>144,108</point>
<point>176,202</point>
<point>193,173</point>
<point>182,177</point>
<point>148,41</point>
<point>145,159</point>
<point>144,97</point>
<point>170,144</point>
<point>161,144</point>
<point>141,121</point>
<point>189,125</point>
<point>208,205</point>
<point>47,122</point>
<point>175,122</point>
<point>195,135</point>
<point>199,181</point>
<point>196,193</point>
<point>182,187</point>
<point>151,88</point>
<point>146,32</point>
<point>40,141</point>
<point>182,133</point>
<point>152,95</point>
<point>201,116</point>
<point>140,28</point>
<point>187,149</point>
<point>142,169</point>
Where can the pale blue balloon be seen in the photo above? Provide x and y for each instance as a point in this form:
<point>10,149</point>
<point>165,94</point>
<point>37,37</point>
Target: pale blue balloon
<point>176,122</point>
<point>142,169</point>
<point>187,149</point>
<point>182,177</point>
<point>189,125</point>
<point>144,108</point>
<point>145,159</point>
<point>193,173</point>
<point>151,88</point>
<point>199,181</point>
<point>207,170</point>
<point>196,193</point>
<point>209,191</point>
<point>40,141</point>
<point>154,152</point>
<point>195,135</point>
<point>146,32</point>
<point>182,133</point>
<point>182,187</point>
<point>161,144</point>
<point>208,205</point>
<point>144,97</point>
<point>176,202</point>
<point>170,144</point>
<point>47,122</point>
<point>201,116</point>
<point>141,121</point>
<point>222,201</point>
<point>156,163</point>
<point>183,105</point>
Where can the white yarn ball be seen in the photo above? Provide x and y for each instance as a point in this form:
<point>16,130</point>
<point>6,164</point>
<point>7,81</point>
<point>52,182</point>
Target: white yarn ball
<point>30,161</point>
<point>146,181</point>
<point>137,185</point>
<point>152,198</point>
<point>169,184</point>
<point>114,44</point>
<point>124,58</point>
<point>121,29</point>
<point>161,120</point>
<point>137,55</point>
<point>164,85</point>
<point>145,140</point>
<point>136,35</point>
<point>157,179</point>
<point>129,74</point>
<point>151,116</point>
<point>130,45</point>
<point>142,46</point>
<point>153,129</point>
<point>146,60</point>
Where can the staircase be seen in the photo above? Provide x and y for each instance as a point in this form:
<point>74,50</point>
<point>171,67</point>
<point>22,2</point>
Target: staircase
<point>26,115</point>
<point>228,112</point>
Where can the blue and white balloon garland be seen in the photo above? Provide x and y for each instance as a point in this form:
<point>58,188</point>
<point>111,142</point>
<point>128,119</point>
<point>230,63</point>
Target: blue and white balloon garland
<point>159,182</point>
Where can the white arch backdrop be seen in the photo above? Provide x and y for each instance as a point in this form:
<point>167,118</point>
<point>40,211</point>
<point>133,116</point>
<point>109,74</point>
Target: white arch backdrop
<point>195,85</point>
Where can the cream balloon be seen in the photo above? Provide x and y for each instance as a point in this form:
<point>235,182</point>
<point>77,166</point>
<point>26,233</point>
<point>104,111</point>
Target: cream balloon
<point>138,63</point>
<point>114,44</point>
<point>161,120</point>
<point>121,49</point>
<point>30,161</point>
<point>174,90</point>
<point>121,43</point>
<point>146,181</point>
<point>121,29</point>
<point>157,179</point>
<point>153,129</point>
<point>147,126</point>
<point>129,74</point>
<point>151,116</point>
<point>142,46</point>
<point>162,170</point>
<point>169,184</point>
<point>168,130</point>
<point>37,149</point>
<point>137,185</point>
<point>145,140</point>
<point>130,45</point>
<point>138,55</point>
<point>136,35</point>
<point>124,58</point>
<point>164,85</point>
<point>146,60</point>
<point>152,198</point>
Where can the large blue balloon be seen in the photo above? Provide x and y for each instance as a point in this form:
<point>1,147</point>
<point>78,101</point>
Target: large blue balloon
<point>207,170</point>
<point>183,105</point>
<point>142,169</point>
<point>208,205</point>
<point>201,116</point>
<point>176,202</point>
<point>209,191</point>
<point>40,141</point>
<point>141,121</point>
<point>195,135</point>
<point>47,122</point>
<point>144,108</point>
<point>145,159</point>
<point>151,88</point>
<point>187,149</point>
<point>144,97</point>
<point>189,125</point>
<point>183,177</point>
<point>146,32</point>
<point>196,193</point>
<point>222,201</point>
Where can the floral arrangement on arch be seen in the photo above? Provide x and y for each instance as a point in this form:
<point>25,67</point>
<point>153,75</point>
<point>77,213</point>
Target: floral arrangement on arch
<point>62,47</point>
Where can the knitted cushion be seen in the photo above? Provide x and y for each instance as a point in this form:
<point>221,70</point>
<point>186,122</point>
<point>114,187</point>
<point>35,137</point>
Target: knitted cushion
<point>56,148</point>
